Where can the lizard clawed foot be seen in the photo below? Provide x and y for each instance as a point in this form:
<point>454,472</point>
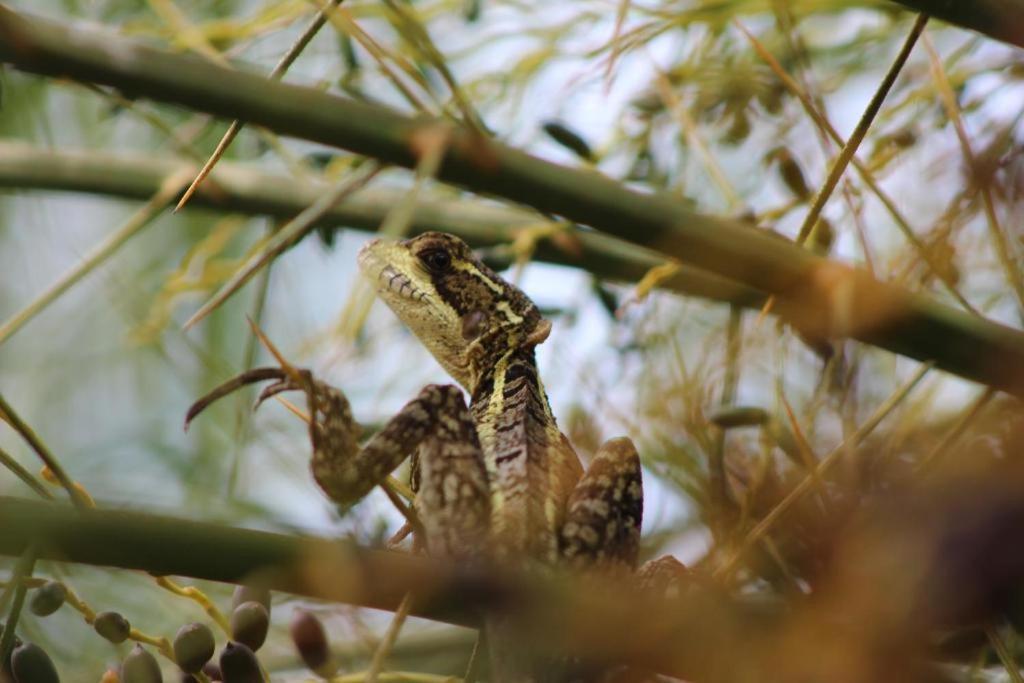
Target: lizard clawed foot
<point>296,380</point>
<point>232,385</point>
<point>285,379</point>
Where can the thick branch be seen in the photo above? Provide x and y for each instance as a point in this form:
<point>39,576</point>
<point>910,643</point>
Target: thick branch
<point>823,298</point>
<point>675,637</point>
<point>999,19</point>
<point>890,582</point>
<point>244,189</point>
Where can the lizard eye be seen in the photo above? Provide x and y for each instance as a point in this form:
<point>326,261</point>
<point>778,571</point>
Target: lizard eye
<point>436,260</point>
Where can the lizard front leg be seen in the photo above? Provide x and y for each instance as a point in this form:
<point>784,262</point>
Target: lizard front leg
<point>603,519</point>
<point>604,512</point>
<point>453,493</point>
<point>453,501</point>
<point>602,533</point>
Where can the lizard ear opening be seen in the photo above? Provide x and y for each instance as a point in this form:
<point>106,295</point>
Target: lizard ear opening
<point>540,333</point>
<point>473,324</point>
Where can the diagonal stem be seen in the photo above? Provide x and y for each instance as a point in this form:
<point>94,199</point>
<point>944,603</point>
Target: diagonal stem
<point>823,123</point>
<point>866,119</point>
<point>388,641</point>
<point>278,71</point>
<point>806,284</point>
<point>728,569</point>
<point>8,415</point>
<point>22,571</point>
<point>1006,657</point>
<point>999,242</point>
<point>956,431</point>
<point>288,235</point>
<point>8,461</point>
<point>100,253</point>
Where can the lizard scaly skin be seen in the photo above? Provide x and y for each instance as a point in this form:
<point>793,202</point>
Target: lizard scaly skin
<point>496,477</point>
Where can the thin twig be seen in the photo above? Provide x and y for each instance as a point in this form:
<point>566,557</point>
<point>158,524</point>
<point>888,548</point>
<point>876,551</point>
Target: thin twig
<point>694,140</point>
<point>185,31</point>
<point>182,143</point>
<point>278,71</point>
<point>807,456</point>
<point>722,504</point>
<point>476,657</point>
<point>421,40</point>
<point>999,242</point>
<point>957,430</point>
<point>198,597</point>
<point>8,415</point>
<point>866,119</point>
<point>1004,654</point>
<point>726,571</point>
<point>8,461</point>
<point>22,570</point>
<point>388,641</point>
<point>101,252</point>
<point>288,235</point>
<point>344,23</point>
<point>394,494</point>
<point>818,117</point>
<point>242,407</point>
<point>620,19</point>
<point>787,26</point>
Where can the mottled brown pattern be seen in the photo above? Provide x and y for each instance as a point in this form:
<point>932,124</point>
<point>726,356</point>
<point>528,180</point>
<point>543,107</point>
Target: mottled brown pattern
<point>466,315</point>
<point>496,476</point>
<point>483,330</point>
<point>665,575</point>
<point>533,469</point>
<point>602,526</point>
<point>453,499</point>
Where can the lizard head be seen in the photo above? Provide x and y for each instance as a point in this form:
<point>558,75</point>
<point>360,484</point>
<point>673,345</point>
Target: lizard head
<point>462,311</point>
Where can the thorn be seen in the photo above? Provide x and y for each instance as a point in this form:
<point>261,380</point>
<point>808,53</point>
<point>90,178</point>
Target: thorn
<point>287,367</point>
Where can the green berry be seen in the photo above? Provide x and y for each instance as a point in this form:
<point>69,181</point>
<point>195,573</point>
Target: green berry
<point>310,640</point>
<point>249,624</point>
<point>193,647</point>
<point>48,598</point>
<point>238,664</point>
<point>112,626</point>
<point>30,664</point>
<point>140,666</point>
<point>250,593</point>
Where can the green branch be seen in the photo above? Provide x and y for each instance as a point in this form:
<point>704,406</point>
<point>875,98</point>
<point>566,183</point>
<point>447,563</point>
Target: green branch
<point>669,636</point>
<point>822,298</point>
<point>999,19</point>
<point>245,189</point>
<point>699,633</point>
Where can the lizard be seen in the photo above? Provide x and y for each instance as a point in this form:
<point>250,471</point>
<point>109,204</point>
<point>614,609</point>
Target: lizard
<point>494,476</point>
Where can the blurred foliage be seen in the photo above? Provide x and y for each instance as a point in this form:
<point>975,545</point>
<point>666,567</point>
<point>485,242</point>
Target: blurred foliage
<point>666,96</point>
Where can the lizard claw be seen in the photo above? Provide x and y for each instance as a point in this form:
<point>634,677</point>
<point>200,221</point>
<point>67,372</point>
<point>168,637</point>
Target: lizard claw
<point>292,380</point>
<point>272,390</point>
<point>233,385</point>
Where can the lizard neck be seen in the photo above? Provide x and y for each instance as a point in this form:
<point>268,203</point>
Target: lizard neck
<point>530,465</point>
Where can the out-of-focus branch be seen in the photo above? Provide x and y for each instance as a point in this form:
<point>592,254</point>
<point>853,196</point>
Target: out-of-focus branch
<point>674,636</point>
<point>999,19</point>
<point>823,298</point>
<point>245,189</point>
<point>884,584</point>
